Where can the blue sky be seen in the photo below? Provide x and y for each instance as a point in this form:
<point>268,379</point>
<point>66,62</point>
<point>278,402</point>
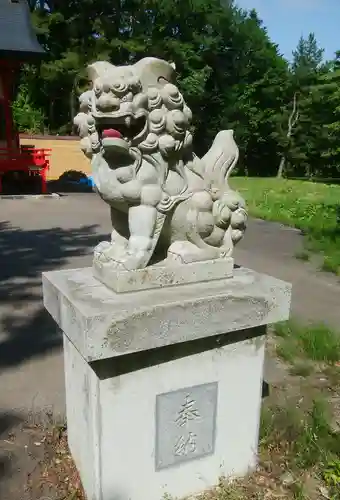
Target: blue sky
<point>287,20</point>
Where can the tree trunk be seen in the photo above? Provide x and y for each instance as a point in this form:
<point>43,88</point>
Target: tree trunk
<point>282,165</point>
<point>51,111</point>
<point>72,109</point>
<point>293,119</point>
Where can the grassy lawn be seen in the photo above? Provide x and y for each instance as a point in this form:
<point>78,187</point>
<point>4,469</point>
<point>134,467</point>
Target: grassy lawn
<point>311,207</point>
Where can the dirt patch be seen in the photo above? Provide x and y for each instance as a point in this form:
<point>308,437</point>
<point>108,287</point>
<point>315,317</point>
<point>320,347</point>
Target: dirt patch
<point>37,465</point>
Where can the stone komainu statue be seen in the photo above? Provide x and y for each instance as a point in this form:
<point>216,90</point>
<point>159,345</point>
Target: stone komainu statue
<point>165,201</point>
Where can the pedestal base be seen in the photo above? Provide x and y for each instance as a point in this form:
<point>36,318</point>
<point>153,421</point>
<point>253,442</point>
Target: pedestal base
<point>165,274</point>
<point>172,427</point>
<point>177,405</point>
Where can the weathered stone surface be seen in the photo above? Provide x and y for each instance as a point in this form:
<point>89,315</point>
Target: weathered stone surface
<point>185,424</point>
<point>163,386</point>
<point>112,418</point>
<point>104,324</point>
<point>134,124</point>
<point>166,274</point>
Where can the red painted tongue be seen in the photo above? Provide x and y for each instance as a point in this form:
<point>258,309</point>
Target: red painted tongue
<point>111,132</point>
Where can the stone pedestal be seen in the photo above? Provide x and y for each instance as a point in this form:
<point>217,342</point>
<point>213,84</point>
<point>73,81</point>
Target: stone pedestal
<point>163,387</point>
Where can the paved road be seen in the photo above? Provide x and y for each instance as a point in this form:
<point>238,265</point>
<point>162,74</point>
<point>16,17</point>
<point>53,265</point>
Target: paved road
<point>271,248</point>
<point>44,234</point>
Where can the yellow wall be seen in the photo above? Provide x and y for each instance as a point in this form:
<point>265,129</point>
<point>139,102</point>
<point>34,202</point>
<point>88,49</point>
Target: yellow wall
<point>65,154</point>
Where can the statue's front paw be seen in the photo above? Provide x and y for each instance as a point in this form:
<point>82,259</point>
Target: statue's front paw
<point>131,261</point>
<point>121,257</point>
<point>106,252</point>
<point>100,250</point>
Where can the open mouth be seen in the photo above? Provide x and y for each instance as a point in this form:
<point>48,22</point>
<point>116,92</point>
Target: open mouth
<point>127,128</point>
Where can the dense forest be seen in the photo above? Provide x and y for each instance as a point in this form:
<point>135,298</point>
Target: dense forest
<point>286,115</point>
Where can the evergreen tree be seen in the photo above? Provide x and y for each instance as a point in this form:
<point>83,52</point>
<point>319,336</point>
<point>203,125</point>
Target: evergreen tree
<point>304,130</point>
<point>307,59</point>
<point>329,89</point>
<point>286,118</point>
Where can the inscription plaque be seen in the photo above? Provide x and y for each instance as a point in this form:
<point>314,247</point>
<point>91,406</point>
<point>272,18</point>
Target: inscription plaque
<point>185,424</point>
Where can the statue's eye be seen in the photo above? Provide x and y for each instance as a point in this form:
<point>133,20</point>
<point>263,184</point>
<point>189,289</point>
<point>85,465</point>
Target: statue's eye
<point>127,97</point>
<point>134,84</point>
<point>119,87</point>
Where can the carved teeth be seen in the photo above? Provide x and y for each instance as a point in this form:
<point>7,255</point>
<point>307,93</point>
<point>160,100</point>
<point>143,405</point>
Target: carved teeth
<point>128,121</point>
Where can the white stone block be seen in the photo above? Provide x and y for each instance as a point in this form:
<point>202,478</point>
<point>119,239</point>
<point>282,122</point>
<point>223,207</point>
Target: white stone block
<point>164,274</point>
<point>175,406</point>
<point>104,324</point>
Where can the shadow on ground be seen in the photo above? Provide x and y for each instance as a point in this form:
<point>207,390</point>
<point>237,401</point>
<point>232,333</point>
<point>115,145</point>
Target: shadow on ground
<point>62,187</point>
<point>26,328</point>
<point>18,183</point>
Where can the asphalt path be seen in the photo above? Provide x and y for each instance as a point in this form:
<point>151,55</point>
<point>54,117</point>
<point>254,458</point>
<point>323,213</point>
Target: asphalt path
<point>44,234</point>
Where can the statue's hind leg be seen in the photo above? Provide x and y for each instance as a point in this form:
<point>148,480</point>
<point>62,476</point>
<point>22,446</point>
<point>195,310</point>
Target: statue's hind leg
<point>192,225</point>
<point>186,252</point>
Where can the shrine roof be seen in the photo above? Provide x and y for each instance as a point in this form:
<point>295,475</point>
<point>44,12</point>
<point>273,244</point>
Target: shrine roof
<point>17,37</point>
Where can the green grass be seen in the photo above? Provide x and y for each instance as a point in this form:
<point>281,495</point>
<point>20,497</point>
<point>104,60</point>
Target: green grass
<point>332,474</point>
<point>311,207</point>
<point>314,342</point>
<point>299,451</point>
<point>307,435</point>
<point>295,441</point>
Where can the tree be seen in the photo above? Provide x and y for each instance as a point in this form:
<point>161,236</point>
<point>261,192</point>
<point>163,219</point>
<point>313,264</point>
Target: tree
<point>307,58</point>
<point>303,128</point>
<point>27,118</point>
<point>228,68</point>
<point>329,89</point>
<point>292,121</point>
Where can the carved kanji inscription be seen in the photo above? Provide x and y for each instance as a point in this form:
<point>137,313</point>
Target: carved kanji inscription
<point>185,424</point>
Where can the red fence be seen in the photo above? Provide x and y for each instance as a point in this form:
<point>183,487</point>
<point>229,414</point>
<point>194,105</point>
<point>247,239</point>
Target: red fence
<point>32,161</point>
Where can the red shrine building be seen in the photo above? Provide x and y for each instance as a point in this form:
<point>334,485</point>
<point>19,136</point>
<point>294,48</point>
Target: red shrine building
<point>18,45</point>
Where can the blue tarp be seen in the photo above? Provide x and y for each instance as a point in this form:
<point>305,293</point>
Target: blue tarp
<point>84,181</point>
